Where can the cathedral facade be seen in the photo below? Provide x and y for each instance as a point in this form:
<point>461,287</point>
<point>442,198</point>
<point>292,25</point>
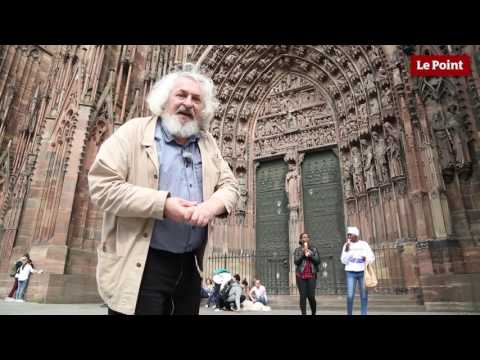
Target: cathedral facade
<point>319,137</point>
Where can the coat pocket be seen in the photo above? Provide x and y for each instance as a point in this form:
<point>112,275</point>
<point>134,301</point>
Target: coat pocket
<point>109,267</point>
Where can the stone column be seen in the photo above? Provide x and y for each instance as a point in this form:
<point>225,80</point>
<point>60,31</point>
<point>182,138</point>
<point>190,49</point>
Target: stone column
<point>293,189</point>
<point>293,236</point>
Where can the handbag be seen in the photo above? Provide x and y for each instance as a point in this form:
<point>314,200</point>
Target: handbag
<point>370,276</point>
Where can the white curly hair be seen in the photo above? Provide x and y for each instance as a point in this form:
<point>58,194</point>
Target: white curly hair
<point>158,97</point>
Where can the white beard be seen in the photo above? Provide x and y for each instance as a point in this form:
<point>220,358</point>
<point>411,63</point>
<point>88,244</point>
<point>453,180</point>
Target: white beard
<point>179,130</point>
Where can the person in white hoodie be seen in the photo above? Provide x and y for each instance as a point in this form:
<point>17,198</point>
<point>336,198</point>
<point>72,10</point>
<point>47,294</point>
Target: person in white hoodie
<point>23,274</point>
<point>355,255</point>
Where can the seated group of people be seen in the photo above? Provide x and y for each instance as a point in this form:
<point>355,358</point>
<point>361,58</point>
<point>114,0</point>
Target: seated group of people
<point>225,292</point>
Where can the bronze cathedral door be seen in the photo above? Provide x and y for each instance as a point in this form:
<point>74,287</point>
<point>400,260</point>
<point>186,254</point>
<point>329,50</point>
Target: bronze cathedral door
<point>272,254</point>
<point>323,216</point>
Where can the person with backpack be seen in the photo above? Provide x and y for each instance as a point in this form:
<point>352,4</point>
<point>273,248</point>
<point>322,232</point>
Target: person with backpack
<point>221,278</point>
<point>13,272</point>
<point>23,275</point>
<point>232,294</point>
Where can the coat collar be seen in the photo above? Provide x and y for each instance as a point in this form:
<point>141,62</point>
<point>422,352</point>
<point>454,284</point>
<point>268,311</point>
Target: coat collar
<point>149,133</point>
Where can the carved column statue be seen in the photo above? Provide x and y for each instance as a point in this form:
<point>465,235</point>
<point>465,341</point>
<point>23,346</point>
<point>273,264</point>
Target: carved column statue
<point>368,165</point>
<point>444,146</point>
<point>393,151</point>
<point>457,137</point>
<point>242,201</point>
<point>347,177</point>
<point>357,168</point>
<point>292,186</point>
<point>379,150</point>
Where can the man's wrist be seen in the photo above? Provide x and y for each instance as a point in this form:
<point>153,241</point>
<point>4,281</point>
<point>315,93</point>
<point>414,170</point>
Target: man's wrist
<point>165,203</point>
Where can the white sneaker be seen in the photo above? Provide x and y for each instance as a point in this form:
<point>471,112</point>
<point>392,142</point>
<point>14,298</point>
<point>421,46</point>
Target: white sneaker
<point>9,299</point>
<point>206,306</point>
<point>20,300</point>
<point>218,310</point>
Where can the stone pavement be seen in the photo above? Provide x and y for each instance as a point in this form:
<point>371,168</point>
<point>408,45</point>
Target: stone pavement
<point>28,308</point>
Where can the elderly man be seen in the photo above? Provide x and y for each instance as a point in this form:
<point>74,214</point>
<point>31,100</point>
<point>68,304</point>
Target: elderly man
<point>160,181</point>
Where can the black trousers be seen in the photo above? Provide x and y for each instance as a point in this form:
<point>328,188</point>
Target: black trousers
<point>306,289</point>
<point>170,285</point>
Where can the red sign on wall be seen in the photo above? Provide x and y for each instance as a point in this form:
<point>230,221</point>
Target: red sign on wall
<point>440,65</point>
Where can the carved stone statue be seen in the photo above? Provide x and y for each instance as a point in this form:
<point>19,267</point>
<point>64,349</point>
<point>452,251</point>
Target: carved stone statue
<point>357,168</point>
<point>362,112</point>
<point>257,147</point>
<point>302,121</point>
<point>276,127</point>
<point>227,149</point>
<point>379,150</point>
<point>369,84</point>
<point>347,178</point>
<point>342,132</point>
<point>456,136</point>
<point>368,165</point>
<point>291,121</point>
<point>99,132</point>
<point>260,129</point>
<point>444,146</point>
<point>242,201</point>
<point>268,130</point>
<point>292,186</point>
<point>374,106</point>
<point>393,150</point>
<point>386,98</point>
<point>381,75</point>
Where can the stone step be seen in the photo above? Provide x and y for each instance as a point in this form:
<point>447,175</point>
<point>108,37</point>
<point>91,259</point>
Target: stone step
<point>376,302</point>
<point>391,299</point>
<point>375,307</point>
<point>372,302</point>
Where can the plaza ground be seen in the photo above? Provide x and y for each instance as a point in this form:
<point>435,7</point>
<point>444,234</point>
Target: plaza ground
<point>28,308</point>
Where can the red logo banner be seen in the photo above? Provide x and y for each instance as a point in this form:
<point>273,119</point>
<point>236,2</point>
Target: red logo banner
<point>440,65</point>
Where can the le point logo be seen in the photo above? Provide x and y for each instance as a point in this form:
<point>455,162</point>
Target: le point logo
<point>440,65</point>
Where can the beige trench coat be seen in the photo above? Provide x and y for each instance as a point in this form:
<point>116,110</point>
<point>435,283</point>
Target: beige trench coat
<point>123,182</point>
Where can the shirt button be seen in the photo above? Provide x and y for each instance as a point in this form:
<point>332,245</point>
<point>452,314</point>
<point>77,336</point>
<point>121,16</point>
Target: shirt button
<point>145,235</point>
<point>155,176</point>
<point>139,265</point>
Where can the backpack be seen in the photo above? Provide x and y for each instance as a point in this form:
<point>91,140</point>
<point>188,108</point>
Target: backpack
<point>15,268</point>
<point>226,290</point>
<point>219,271</point>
